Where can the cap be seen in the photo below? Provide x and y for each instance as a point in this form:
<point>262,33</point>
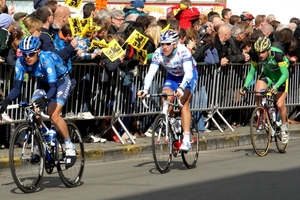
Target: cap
<point>5,20</point>
<point>19,15</point>
<point>246,16</point>
<point>138,4</point>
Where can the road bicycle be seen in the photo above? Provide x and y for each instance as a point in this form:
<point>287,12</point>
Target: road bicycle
<point>166,142</point>
<point>30,153</point>
<point>265,125</point>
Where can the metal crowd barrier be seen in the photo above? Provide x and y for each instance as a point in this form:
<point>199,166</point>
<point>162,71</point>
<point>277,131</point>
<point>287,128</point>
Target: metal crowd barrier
<point>217,91</point>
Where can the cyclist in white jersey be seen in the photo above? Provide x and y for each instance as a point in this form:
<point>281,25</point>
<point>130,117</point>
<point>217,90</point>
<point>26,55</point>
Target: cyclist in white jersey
<point>181,77</point>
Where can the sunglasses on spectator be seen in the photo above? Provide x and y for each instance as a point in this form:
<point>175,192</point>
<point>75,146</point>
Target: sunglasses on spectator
<point>167,44</point>
<point>29,54</point>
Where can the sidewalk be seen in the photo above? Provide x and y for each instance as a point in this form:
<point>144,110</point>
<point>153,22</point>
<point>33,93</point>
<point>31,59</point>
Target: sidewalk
<point>109,151</point>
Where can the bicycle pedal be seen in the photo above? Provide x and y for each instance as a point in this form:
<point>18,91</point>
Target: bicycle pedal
<point>70,161</point>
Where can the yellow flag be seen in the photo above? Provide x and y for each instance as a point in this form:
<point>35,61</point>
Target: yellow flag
<point>137,40</point>
<point>166,28</point>
<point>86,22</point>
<point>75,26</point>
<point>113,51</point>
<point>98,44</point>
<point>142,56</point>
<point>74,3</point>
<point>89,29</point>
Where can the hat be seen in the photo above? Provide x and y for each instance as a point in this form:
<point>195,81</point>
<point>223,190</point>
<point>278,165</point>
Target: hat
<point>19,15</point>
<point>246,16</point>
<point>138,4</point>
<point>5,20</point>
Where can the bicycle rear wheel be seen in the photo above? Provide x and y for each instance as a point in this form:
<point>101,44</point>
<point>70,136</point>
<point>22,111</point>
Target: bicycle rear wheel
<point>161,145</point>
<point>27,167</point>
<point>280,146</point>
<point>260,132</point>
<point>71,176</point>
<point>190,158</point>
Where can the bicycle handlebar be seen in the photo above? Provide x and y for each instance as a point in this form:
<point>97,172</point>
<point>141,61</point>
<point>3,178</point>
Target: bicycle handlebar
<point>27,105</point>
<point>159,95</point>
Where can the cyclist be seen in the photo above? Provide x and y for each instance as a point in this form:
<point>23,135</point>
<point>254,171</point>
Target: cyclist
<point>181,77</point>
<point>274,70</point>
<point>53,77</point>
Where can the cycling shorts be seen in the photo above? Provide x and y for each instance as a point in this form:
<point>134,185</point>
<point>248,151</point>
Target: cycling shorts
<point>64,88</point>
<point>173,82</point>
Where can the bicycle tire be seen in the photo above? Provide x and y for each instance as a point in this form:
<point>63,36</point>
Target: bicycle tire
<point>161,145</point>
<point>280,146</point>
<point>190,158</point>
<point>260,132</point>
<point>26,173</point>
<point>71,176</point>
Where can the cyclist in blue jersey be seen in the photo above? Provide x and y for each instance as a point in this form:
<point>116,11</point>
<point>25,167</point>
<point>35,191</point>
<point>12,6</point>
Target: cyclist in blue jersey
<point>181,77</point>
<point>53,77</point>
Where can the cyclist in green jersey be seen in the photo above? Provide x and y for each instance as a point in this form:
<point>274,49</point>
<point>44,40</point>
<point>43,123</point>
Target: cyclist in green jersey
<point>274,71</point>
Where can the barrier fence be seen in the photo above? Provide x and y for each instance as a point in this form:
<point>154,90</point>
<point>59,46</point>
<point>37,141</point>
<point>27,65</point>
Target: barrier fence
<point>115,98</point>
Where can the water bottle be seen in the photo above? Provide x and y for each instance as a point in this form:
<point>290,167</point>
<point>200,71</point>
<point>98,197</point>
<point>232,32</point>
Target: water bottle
<point>272,113</point>
<point>52,136</point>
<point>45,133</point>
<point>173,124</point>
<point>178,125</point>
<point>263,101</point>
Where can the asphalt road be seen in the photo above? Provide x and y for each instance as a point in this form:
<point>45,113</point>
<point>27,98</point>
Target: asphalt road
<point>229,173</point>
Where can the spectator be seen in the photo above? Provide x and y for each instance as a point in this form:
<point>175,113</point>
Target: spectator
<point>47,38</point>
<point>117,19</point>
<point>31,26</point>
<point>270,18</point>
<point>38,3</point>
<point>186,14</point>
<point>174,25</point>
<point>89,10</point>
<point>104,15</point>
<point>61,16</point>
<point>226,14</point>
<point>52,4</point>
<point>260,20</point>
<point>295,20</point>
<point>135,8</point>
<point>6,26</point>
<point>221,44</point>
<point>246,16</point>
<point>233,20</point>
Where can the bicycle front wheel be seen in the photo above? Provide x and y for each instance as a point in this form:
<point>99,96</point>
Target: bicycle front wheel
<point>161,144</point>
<point>281,146</point>
<point>26,162</point>
<point>71,176</point>
<point>190,157</point>
<point>260,131</point>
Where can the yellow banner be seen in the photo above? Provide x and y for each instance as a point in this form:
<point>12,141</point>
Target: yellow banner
<point>142,56</point>
<point>75,26</point>
<point>74,3</point>
<point>113,51</point>
<point>95,44</point>
<point>137,40</point>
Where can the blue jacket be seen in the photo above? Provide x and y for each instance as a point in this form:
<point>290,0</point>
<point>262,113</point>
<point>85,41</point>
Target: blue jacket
<point>212,56</point>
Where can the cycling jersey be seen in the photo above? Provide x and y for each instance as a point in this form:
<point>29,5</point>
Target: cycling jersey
<point>275,68</point>
<point>49,69</point>
<point>179,64</point>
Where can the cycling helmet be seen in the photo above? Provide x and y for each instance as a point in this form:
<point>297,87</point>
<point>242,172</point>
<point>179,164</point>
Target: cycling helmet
<point>262,44</point>
<point>246,16</point>
<point>169,36</point>
<point>29,44</point>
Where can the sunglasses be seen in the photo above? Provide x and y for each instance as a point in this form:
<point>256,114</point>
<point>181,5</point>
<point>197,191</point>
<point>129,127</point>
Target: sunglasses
<point>167,44</point>
<point>29,54</point>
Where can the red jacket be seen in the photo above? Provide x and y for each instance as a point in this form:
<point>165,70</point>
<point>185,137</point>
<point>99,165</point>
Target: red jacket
<point>186,16</point>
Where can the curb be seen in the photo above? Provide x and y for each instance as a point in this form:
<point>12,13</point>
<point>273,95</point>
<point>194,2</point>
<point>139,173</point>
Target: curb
<point>121,152</point>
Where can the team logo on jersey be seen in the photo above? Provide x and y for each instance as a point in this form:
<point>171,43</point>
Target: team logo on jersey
<point>59,93</point>
<point>49,70</point>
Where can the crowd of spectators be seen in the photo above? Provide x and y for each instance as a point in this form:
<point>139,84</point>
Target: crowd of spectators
<point>214,38</point>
